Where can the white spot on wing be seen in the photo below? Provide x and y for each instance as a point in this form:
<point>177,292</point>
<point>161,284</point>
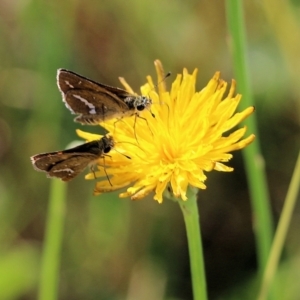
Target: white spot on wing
<point>68,170</point>
<point>87,103</point>
<point>69,84</point>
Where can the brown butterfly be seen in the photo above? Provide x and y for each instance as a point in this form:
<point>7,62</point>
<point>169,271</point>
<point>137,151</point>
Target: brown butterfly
<point>67,164</point>
<point>95,102</point>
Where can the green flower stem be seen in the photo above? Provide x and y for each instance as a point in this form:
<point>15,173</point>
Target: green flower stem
<point>48,288</point>
<point>263,227</point>
<point>283,225</point>
<point>189,209</point>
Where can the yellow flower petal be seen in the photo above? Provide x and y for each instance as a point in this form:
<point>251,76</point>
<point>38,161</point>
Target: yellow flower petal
<point>88,136</point>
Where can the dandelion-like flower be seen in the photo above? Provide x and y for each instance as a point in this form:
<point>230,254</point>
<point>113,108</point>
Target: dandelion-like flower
<point>187,138</point>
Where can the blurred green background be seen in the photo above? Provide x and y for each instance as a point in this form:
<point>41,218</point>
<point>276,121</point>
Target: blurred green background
<point>114,248</point>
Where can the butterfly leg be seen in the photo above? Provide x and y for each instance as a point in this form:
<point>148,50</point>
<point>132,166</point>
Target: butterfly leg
<point>136,115</point>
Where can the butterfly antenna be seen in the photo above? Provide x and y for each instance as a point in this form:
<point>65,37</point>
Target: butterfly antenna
<point>164,79</point>
<point>152,114</point>
<point>123,154</point>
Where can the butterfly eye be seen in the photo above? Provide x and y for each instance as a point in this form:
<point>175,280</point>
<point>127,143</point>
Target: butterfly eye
<point>140,107</point>
<point>107,149</point>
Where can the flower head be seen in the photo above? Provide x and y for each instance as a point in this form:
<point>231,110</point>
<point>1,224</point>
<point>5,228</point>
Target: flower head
<point>187,138</point>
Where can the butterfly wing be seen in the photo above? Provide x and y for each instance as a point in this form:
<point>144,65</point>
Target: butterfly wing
<point>92,101</point>
<point>62,165</point>
<point>71,167</point>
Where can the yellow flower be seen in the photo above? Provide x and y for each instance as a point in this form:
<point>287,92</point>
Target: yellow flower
<point>186,138</point>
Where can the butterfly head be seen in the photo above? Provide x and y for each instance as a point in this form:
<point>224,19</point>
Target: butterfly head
<point>108,143</point>
<point>138,103</point>
<point>141,103</point>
